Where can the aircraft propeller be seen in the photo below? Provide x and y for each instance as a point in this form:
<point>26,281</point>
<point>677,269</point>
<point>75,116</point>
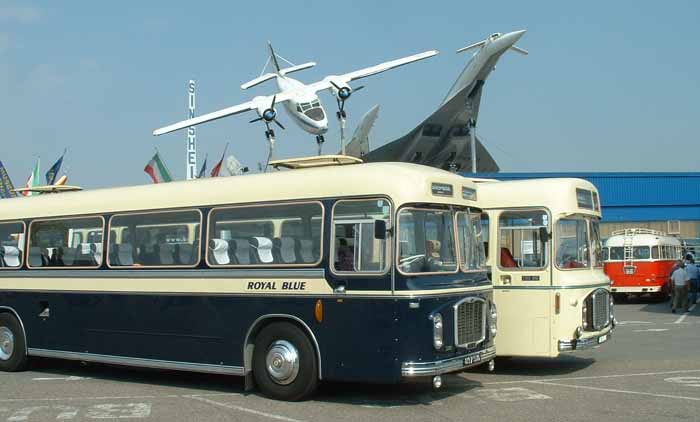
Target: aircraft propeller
<point>269,115</point>
<point>343,94</point>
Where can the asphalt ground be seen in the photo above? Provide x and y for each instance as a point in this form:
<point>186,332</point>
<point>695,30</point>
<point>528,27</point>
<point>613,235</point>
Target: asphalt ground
<point>649,371</point>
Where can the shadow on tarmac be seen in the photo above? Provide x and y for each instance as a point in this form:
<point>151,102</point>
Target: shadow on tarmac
<point>529,367</point>
<point>369,395</point>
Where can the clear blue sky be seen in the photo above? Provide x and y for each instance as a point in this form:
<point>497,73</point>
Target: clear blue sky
<point>608,86</point>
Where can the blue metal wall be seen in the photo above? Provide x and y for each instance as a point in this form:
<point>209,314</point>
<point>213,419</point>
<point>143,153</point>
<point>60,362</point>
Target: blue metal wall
<point>634,196</point>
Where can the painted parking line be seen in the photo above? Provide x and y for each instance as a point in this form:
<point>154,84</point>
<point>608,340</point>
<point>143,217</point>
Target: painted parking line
<point>641,374</point>
<point>242,409</point>
<point>510,394</point>
<point>60,379</point>
<point>651,330</point>
<point>682,317</point>
<point>614,390</point>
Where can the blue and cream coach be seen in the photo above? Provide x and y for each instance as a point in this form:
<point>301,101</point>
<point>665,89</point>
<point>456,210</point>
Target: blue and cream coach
<point>329,270</point>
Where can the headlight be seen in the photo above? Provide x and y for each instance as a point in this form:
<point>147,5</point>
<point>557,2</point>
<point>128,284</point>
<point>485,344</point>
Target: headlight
<point>493,321</point>
<point>437,331</point>
<point>612,305</point>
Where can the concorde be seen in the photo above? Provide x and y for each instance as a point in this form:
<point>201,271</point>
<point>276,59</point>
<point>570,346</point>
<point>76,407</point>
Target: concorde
<point>443,139</point>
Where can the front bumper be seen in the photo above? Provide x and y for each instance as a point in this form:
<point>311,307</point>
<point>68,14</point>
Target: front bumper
<point>636,289</point>
<point>457,363</point>
<point>584,343</point>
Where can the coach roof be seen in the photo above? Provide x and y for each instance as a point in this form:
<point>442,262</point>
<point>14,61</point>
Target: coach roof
<point>558,195</point>
<point>402,182</point>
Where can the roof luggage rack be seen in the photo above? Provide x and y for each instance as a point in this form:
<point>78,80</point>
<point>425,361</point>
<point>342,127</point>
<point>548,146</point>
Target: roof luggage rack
<point>635,231</point>
<point>49,189</point>
<point>316,161</point>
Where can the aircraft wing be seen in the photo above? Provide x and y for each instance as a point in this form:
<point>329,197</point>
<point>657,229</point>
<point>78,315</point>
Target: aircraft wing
<point>369,71</point>
<point>257,103</point>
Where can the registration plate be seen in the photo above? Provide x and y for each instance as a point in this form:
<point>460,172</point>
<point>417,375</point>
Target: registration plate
<point>602,339</point>
<point>469,360</point>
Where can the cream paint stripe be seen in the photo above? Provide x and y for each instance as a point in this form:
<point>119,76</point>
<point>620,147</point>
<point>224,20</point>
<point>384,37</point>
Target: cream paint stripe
<point>612,390</point>
<point>160,285</point>
<point>261,286</point>
<point>643,374</point>
<point>243,409</point>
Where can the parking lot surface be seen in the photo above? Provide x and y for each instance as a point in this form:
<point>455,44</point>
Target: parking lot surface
<point>650,371</point>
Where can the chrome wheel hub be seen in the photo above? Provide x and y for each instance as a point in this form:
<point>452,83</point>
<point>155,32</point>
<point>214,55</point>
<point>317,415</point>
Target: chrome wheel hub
<point>7,343</point>
<point>282,362</point>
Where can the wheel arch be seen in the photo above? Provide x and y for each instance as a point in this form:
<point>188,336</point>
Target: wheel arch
<point>254,330</point>
<point>13,312</point>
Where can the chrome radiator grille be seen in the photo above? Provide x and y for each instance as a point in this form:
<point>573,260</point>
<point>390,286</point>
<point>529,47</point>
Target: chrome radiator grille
<point>470,322</point>
<point>600,301</point>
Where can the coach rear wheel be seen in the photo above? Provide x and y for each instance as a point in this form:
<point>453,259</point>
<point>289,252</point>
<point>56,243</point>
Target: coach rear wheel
<point>284,362</point>
<point>13,356</point>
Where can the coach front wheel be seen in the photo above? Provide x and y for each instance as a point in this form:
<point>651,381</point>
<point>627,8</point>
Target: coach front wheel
<point>13,355</point>
<point>284,362</point>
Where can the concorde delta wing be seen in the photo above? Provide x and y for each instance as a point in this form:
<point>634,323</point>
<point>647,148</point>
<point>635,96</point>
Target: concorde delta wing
<point>442,139</point>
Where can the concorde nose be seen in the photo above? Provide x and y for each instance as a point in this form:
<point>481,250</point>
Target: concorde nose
<point>506,41</point>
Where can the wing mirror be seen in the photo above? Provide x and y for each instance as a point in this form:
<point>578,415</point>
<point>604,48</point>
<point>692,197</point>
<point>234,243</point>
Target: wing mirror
<point>380,229</point>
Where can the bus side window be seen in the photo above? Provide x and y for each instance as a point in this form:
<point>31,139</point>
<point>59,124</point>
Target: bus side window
<point>160,239</point>
<point>266,235</point>
<point>354,248</point>
<point>59,243</point>
<point>655,252</point>
<point>11,245</point>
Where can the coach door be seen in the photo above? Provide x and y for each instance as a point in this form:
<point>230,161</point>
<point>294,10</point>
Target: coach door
<point>522,280</point>
<point>360,272</point>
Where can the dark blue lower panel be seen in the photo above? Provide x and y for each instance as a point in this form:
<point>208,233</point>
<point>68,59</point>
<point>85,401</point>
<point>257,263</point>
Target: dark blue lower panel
<point>360,339</point>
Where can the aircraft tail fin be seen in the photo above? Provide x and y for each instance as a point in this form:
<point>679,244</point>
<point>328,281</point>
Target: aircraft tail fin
<point>278,71</point>
<point>273,57</point>
<point>359,144</point>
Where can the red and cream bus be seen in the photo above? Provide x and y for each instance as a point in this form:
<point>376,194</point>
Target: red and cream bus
<point>639,261</point>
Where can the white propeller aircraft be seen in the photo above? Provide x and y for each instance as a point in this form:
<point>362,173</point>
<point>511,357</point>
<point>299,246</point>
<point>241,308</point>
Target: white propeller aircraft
<point>300,100</point>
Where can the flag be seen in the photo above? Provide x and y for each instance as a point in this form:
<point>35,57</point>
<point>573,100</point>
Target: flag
<point>33,180</point>
<point>53,171</point>
<point>6,186</point>
<point>203,170</point>
<point>157,170</point>
<point>217,168</point>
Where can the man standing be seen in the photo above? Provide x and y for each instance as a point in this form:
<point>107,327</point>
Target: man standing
<point>694,276</point>
<point>679,280</point>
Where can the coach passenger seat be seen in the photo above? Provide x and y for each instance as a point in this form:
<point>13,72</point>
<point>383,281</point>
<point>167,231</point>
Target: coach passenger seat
<point>219,251</point>
<point>185,254</point>
<point>304,250</point>
<point>285,251</point>
<point>164,254</point>
<point>96,252</point>
<point>125,254</point>
<point>36,257</point>
<point>69,255</point>
<point>263,249</point>
<point>241,251</point>
<point>11,256</point>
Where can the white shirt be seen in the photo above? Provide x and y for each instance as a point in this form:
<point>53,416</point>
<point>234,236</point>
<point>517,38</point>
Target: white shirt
<point>680,277</point>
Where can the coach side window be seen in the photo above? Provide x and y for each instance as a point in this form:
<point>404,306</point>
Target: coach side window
<point>355,248</point>
<point>64,243</point>
<point>11,245</point>
<point>157,239</point>
<point>266,235</point>
<point>521,245</point>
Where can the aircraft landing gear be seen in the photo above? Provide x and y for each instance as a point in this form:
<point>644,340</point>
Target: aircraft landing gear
<point>341,119</point>
<point>270,135</point>
<point>319,141</point>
